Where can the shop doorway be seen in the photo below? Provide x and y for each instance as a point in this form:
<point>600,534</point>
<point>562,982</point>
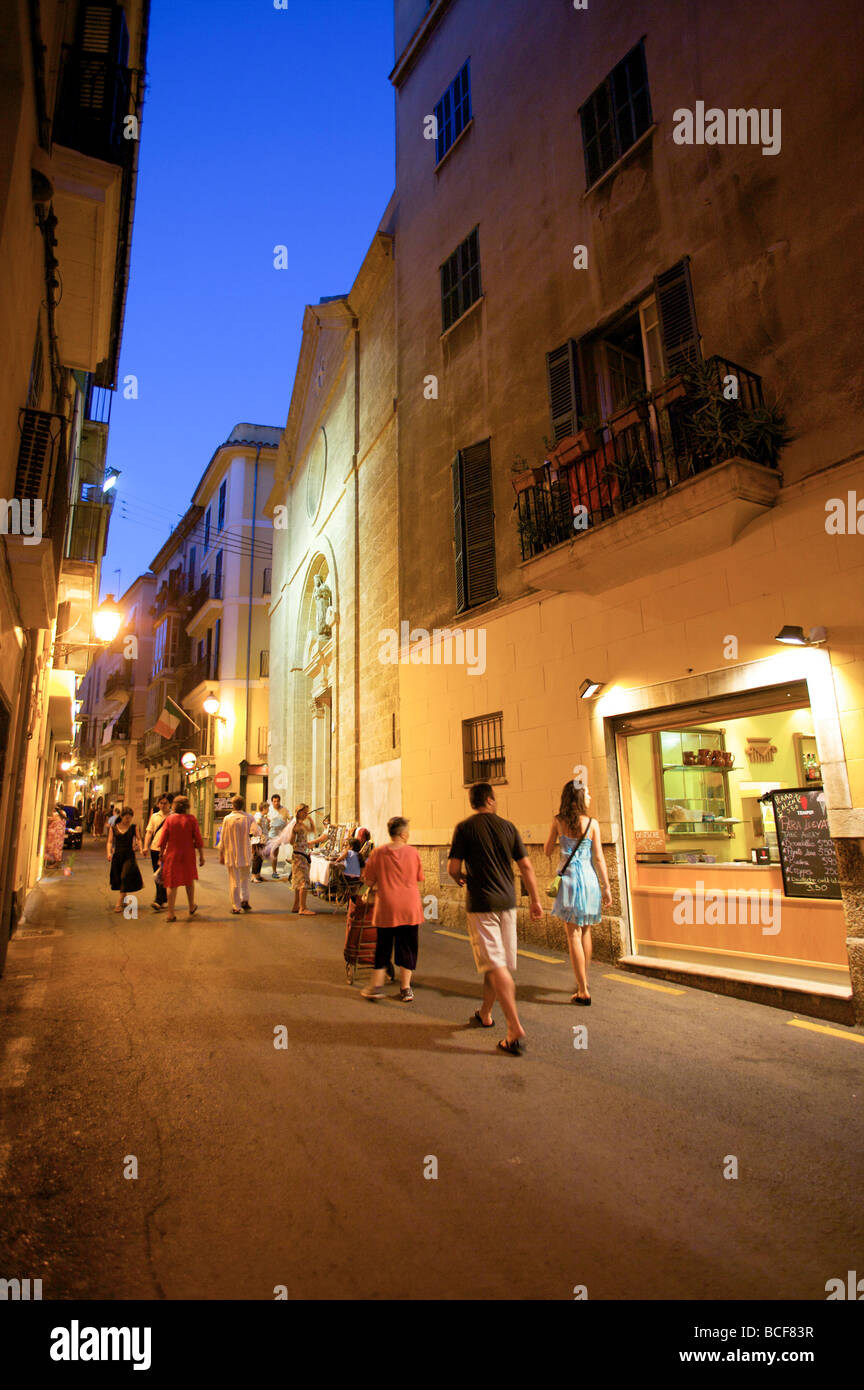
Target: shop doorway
<point>705,884</point>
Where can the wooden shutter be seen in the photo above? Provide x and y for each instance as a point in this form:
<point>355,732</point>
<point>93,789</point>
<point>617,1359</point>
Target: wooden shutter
<point>458,532</point>
<point>565,389</point>
<point>478,526</point>
<point>677,314</point>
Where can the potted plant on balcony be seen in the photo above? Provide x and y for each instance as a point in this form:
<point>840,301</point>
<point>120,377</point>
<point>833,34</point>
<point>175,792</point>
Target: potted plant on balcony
<point>523,474</point>
<point>720,428</point>
<point>671,388</point>
<point>530,536</point>
<point>574,446</point>
<point>635,412</point>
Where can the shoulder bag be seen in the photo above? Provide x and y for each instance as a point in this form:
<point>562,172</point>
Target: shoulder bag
<point>554,886</point>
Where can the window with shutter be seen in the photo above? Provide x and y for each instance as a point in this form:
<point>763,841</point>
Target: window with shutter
<point>217,577</point>
<point>677,313</point>
<point>474,527</point>
<point>565,389</point>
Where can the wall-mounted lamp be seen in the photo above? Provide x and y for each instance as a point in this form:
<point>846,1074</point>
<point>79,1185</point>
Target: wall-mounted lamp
<point>211,705</point>
<point>794,636</point>
<point>588,689</point>
<point>65,766</point>
<point>111,476</point>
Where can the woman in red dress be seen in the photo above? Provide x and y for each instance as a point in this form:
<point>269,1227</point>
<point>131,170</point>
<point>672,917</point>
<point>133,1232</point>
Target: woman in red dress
<point>178,839</point>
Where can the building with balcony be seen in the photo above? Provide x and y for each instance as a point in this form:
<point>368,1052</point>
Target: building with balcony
<point>625,386</point>
<point>211,634</point>
<point>112,719</point>
<point>71,84</point>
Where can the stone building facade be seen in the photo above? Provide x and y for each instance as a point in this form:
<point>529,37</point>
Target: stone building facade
<point>335,733</point>
<point>622,287</point>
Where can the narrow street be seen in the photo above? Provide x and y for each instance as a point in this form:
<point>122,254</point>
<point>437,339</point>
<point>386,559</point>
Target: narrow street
<point>304,1166</point>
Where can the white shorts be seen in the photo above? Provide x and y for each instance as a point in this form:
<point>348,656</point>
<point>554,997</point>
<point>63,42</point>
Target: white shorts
<point>493,939</point>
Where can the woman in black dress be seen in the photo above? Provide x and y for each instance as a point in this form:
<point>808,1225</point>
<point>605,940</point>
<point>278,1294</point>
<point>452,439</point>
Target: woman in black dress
<point>123,844</point>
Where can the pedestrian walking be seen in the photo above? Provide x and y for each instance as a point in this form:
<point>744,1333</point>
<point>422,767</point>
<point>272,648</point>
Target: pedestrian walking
<point>235,852</point>
<point>487,844</point>
<point>55,834</point>
<point>296,834</point>
<point>178,840</point>
<point>88,821</point>
<point>98,822</point>
<point>276,822</point>
<point>123,845</point>
<point>258,837</point>
<point>580,895</point>
<point>154,824</point>
<point>395,870</point>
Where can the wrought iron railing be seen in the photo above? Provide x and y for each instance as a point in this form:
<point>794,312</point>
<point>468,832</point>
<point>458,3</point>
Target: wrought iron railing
<point>638,455</point>
<point>96,96</point>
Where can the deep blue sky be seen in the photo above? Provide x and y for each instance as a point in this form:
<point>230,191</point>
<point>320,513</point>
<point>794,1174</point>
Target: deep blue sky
<point>261,127</point>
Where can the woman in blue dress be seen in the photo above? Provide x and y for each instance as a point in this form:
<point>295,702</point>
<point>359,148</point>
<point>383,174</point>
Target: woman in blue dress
<point>580,896</point>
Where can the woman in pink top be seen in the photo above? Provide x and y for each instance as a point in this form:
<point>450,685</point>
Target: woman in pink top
<point>395,871</point>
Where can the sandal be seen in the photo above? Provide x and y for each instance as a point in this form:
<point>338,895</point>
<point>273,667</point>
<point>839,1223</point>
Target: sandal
<point>514,1048</point>
<point>476,1021</point>
<point>577,999</point>
<point>193,910</point>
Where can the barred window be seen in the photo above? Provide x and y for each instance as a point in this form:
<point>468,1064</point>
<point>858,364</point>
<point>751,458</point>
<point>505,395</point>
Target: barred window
<point>483,749</point>
<point>616,114</point>
<point>453,112</point>
<point>460,281</point>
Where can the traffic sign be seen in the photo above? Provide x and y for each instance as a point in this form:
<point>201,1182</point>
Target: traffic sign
<point>222,781</point>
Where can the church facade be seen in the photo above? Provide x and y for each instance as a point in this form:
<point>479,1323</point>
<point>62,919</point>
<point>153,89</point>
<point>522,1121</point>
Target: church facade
<point>334,721</point>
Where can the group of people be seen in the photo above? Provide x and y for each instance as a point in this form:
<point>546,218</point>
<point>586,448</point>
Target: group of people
<point>485,846</point>
<point>482,851</point>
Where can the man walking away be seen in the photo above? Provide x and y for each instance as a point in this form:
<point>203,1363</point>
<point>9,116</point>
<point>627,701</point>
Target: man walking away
<point>156,821</point>
<point>487,844</point>
<point>277,821</point>
<point>235,851</point>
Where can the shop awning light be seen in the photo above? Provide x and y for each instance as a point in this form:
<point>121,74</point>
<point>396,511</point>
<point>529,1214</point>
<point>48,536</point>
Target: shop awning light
<point>588,689</point>
<point>794,636</point>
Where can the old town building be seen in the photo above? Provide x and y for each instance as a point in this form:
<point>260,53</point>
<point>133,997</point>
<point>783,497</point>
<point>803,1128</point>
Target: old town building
<point>210,634</point>
<point>335,737</point>
<point>71,84</point>
<point>626,415</point>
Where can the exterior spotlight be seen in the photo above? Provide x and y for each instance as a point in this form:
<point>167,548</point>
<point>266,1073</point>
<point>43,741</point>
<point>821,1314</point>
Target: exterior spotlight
<point>111,477</point>
<point>588,689</point>
<point>107,620</point>
<point>211,704</point>
<point>794,636</point>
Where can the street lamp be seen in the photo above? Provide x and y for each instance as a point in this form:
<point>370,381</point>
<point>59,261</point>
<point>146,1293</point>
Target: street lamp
<point>107,620</point>
<point>211,704</point>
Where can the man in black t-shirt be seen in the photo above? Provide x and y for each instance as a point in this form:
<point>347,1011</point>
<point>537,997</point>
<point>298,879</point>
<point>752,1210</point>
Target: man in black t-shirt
<point>488,845</point>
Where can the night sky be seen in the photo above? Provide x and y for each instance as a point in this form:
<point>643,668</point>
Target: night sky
<point>261,127</point>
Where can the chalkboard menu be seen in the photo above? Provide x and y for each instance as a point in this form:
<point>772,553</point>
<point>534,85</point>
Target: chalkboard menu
<point>807,856</point>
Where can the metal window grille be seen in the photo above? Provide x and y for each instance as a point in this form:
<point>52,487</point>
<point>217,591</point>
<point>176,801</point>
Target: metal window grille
<point>460,280</point>
<point>266,581</point>
<point>483,748</point>
<point>616,114</point>
<point>264,663</point>
<point>453,112</point>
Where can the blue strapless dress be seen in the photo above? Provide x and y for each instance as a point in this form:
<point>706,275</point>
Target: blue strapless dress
<point>579,897</point>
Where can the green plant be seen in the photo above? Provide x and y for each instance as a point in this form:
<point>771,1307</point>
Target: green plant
<point>765,434</point>
<point>721,428</point>
<point>529,534</point>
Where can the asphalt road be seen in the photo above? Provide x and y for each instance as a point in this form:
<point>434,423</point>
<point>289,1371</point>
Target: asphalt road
<point>303,1166</point>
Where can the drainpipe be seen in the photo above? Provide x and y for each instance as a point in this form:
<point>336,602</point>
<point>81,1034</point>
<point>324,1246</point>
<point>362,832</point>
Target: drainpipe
<point>258,448</point>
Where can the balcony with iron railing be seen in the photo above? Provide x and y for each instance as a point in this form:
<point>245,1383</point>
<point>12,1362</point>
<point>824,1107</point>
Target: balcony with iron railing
<point>118,681</point>
<point>171,596</point>
<point>96,94</point>
<point>689,443</point>
<point>209,588</point>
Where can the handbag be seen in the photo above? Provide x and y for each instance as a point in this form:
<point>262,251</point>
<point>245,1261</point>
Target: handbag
<point>555,885</point>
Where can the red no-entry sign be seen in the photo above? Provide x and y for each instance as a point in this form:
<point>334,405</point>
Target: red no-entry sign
<point>222,781</point>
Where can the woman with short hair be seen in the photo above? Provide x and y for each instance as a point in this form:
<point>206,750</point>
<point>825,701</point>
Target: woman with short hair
<point>395,871</point>
<point>177,841</point>
<point>296,834</point>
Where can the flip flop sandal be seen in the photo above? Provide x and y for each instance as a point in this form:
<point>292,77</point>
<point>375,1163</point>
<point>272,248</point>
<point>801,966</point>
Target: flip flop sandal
<point>576,999</point>
<point>514,1048</point>
<point>193,910</point>
<point>476,1021</point>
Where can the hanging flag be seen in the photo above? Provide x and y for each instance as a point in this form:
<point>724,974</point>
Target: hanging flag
<point>169,720</point>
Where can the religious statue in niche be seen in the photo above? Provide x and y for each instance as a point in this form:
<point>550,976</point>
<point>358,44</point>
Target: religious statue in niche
<point>324,611</point>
